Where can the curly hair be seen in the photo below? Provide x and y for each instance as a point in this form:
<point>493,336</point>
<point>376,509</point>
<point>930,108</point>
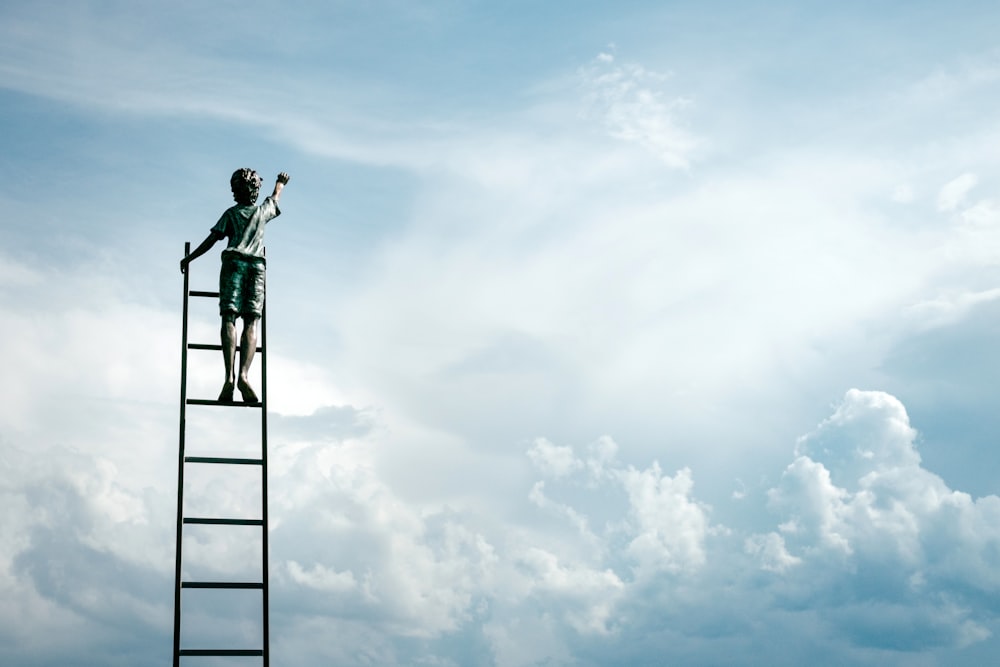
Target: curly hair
<point>246,186</point>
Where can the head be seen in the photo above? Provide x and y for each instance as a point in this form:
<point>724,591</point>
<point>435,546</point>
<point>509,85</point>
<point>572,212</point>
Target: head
<point>246,186</point>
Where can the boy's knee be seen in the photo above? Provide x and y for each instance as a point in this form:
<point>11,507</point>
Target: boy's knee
<point>228,318</point>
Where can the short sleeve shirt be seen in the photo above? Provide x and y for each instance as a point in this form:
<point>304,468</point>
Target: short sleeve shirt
<point>244,227</point>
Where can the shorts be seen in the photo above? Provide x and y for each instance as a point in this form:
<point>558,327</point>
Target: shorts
<point>241,285</point>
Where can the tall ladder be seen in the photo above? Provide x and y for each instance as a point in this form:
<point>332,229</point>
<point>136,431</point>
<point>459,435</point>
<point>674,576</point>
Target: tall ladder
<point>183,460</point>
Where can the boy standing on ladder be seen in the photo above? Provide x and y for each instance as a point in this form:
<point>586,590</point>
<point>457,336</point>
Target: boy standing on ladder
<point>241,279</point>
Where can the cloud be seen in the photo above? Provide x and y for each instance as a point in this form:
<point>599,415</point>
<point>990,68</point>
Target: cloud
<point>948,82</point>
<point>106,62</point>
<point>541,280</point>
<point>869,549</point>
<point>670,528</point>
<point>771,551</point>
<point>630,102</point>
<point>322,579</point>
<point>588,594</point>
<point>345,534</point>
<point>432,573</point>
<point>954,192</point>
<point>868,528</point>
<point>663,528</point>
<point>950,309</point>
<point>902,194</point>
<point>326,422</point>
<point>554,460</point>
<point>79,564</point>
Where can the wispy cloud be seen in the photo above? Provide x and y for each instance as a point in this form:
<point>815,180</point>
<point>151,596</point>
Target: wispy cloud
<point>954,192</point>
<point>633,105</point>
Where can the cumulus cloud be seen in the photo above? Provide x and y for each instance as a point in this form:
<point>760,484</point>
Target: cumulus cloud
<point>867,543</point>
<point>663,526</point>
<point>669,526</point>
<point>865,524</point>
<point>82,560</point>
<point>589,594</point>
<point>421,572</point>
<point>432,573</point>
<point>771,551</point>
<point>554,460</point>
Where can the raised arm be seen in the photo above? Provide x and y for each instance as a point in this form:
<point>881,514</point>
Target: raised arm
<point>279,185</point>
<point>204,247</point>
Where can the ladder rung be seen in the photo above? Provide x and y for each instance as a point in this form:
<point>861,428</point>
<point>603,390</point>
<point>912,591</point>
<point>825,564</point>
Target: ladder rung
<point>222,651</point>
<point>223,459</point>
<point>214,346</point>
<point>222,584</point>
<point>238,404</point>
<point>195,292</point>
<point>224,522</point>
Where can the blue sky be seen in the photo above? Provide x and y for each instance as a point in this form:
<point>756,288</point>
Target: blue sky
<point>600,333</point>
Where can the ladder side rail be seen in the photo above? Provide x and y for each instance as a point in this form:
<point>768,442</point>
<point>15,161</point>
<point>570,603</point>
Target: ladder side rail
<point>180,470</point>
<point>263,471</point>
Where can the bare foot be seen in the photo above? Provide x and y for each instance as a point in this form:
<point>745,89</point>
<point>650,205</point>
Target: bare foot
<point>226,395</point>
<point>247,391</point>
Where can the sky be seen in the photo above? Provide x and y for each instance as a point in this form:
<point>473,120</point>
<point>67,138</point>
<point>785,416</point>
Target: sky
<point>630,333</point>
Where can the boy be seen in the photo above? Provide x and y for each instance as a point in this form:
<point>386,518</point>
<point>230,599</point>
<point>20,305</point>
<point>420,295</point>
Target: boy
<point>241,280</point>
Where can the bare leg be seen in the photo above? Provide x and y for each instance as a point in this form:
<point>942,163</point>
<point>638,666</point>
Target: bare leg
<point>228,355</point>
<point>247,348</point>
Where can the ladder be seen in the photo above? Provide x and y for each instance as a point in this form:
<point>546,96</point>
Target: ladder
<point>228,463</point>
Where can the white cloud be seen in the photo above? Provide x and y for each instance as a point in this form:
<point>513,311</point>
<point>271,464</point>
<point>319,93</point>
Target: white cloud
<point>981,214</point>
<point>420,571</point>
<point>663,525</point>
<point>591,594</point>
<point>946,83</point>
<point>869,431</point>
<point>349,554</point>
<point>527,642</point>
<point>629,101</point>
<point>554,460</point>
<point>815,502</point>
<point>954,192</point>
<point>538,497</point>
<point>669,526</point>
<point>601,458</point>
<point>771,551</point>
<point>903,194</point>
<point>322,578</point>
<point>949,309</point>
<point>103,62</point>
<point>857,500</point>
<point>78,561</point>
<point>14,274</point>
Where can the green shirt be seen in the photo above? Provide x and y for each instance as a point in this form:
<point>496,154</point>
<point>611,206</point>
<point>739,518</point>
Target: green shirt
<point>244,227</point>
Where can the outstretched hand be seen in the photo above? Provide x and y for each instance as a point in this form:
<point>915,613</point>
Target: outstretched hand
<point>283,178</point>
